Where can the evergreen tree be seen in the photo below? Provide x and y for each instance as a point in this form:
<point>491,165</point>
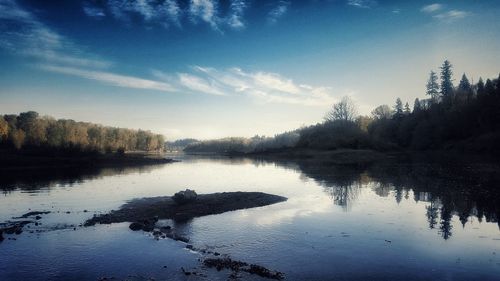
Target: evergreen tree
<point>407,109</point>
<point>480,87</point>
<point>433,86</point>
<point>489,87</point>
<point>398,108</point>
<point>416,105</point>
<point>464,84</point>
<point>446,80</point>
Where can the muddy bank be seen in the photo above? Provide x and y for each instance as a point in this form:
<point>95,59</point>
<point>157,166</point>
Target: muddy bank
<point>205,204</point>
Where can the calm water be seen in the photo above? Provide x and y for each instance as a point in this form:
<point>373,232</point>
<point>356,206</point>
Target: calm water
<point>410,220</point>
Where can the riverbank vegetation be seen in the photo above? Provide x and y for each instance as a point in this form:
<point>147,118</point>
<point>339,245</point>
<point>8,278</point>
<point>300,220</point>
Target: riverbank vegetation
<point>29,132</point>
<point>463,118</point>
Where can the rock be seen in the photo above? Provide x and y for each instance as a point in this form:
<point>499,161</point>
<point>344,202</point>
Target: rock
<point>166,229</point>
<point>1,235</point>
<point>38,217</point>
<point>156,233</point>
<point>189,246</point>
<point>186,196</point>
<point>148,227</point>
<point>135,226</point>
<point>181,238</point>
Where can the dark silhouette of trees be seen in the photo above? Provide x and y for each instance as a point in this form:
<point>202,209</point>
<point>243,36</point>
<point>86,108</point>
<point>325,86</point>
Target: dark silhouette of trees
<point>417,106</point>
<point>432,87</point>
<point>407,109</point>
<point>466,118</point>
<point>29,130</point>
<point>398,109</point>
<point>344,110</point>
<point>446,81</point>
<point>464,84</point>
<point>382,112</point>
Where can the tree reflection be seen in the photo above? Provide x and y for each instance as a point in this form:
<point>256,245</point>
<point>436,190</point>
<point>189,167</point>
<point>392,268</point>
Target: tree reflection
<point>452,188</point>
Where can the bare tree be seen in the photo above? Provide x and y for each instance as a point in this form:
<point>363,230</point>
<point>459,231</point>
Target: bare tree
<point>344,110</point>
<point>382,112</point>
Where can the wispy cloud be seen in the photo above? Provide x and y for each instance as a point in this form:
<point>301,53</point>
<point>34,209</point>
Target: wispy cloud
<point>436,10</point>
<point>22,33</point>
<point>199,84</point>
<point>260,85</point>
<point>161,13</point>
<point>278,11</point>
<point>362,3</point>
<point>124,81</point>
<point>452,15</point>
<point>205,10</point>
<point>168,12</point>
<point>431,8</point>
<point>235,18</point>
<point>95,12</point>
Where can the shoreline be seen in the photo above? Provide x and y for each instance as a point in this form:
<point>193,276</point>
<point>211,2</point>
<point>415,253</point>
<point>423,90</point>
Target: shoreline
<point>10,161</point>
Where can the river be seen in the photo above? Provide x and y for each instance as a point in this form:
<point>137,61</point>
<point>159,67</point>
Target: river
<point>398,220</point>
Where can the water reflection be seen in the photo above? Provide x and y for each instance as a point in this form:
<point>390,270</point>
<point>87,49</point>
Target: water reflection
<point>37,180</point>
<point>456,188</point>
<point>448,188</point>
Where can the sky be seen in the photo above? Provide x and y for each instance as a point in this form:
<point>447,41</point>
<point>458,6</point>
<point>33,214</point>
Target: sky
<point>209,69</point>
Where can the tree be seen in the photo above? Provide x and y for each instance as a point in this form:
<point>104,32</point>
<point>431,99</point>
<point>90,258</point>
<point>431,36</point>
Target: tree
<point>480,87</point>
<point>417,106</point>
<point>17,138</point>
<point>407,109</point>
<point>433,87</point>
<point>464,84</point>
<point>489,87</point>
<point>4,129</point>
<point>344,110</point>
<point>446,80</point>
<point>398,108</point>
<point>382,112</point>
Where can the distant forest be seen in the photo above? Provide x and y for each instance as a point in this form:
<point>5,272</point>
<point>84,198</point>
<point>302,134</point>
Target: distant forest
<point>29,131</point>
<point>464,118</point>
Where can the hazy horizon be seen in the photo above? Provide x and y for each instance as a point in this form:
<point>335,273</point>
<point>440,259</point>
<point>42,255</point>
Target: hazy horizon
<point>210,69</point>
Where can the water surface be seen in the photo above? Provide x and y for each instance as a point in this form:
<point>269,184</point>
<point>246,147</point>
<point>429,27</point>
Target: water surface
<point>400,220</point>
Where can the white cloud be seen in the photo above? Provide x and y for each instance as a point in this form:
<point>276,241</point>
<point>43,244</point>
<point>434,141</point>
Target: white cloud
<point>151,12</point>
<point>206,10</point>
<point>431,8</point>
<point>167,12</point>
<point>34,39</point>
<point>362,3</point>
<point>452,15</point>
<point>260,85</point>
<point>277,12</point>
<point>198,84</point>
<point>235,18</point>
<point>95,12</point>
<point>112,78</point>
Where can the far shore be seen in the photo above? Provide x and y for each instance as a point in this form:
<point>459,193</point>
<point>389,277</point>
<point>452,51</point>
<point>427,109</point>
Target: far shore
<point>11,160</point>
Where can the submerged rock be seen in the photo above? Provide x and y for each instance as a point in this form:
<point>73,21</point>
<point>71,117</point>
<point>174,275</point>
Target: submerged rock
<point>236,266</point>
<point>1,235</point>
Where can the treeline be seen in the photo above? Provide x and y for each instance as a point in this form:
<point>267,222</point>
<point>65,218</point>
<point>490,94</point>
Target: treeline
<point>245,145</point>
<point>30,131</point>
<point>464,117</point>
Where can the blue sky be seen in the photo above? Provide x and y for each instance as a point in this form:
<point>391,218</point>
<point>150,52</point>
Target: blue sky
<point>207,68</point>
